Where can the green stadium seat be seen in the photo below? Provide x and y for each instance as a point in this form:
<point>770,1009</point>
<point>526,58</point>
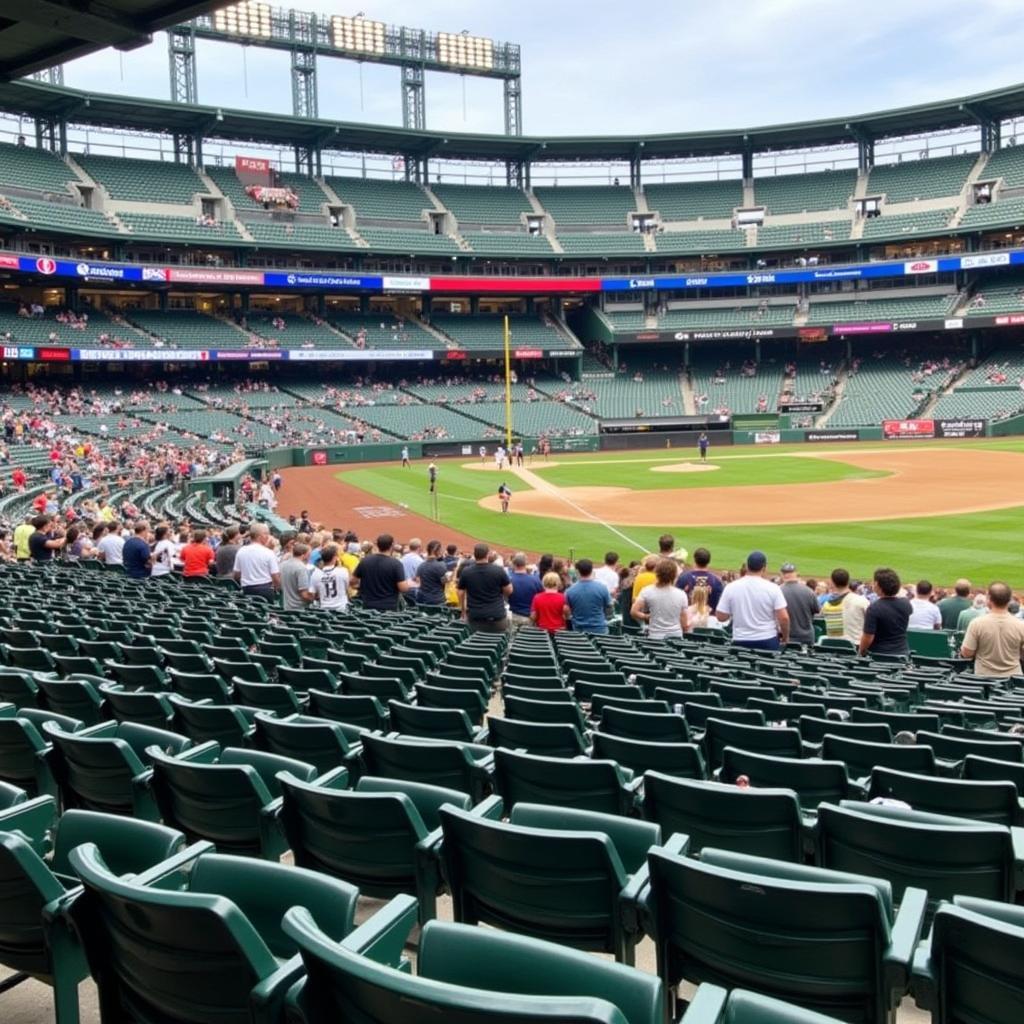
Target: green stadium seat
<point>540,738</point>
<point>862,758</point>
<point>653,728</point>
<point>715,1005</point>
<point>464,767</point>
<point>226,724</point>
<point>993,801</point>
<point>361,711</point>
<point>74,698</point>
<point>761,822</point>
<point>678,759</point>
<point>719,734</point>
<point>813,781</point>
<point>317,741</point>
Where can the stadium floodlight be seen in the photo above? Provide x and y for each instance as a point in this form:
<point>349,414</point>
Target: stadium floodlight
<point>463,50</point>
<point>248,18</point>
<point>357,35</point>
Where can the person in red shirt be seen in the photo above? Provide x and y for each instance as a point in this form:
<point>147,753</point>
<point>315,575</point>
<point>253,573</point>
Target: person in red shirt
<point>18,478</point>
<point>196,557</point>
<point>548,609</point>
<point>39,502</point>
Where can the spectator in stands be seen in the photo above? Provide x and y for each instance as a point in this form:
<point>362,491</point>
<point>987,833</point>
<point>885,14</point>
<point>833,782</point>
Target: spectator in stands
<point>590,604</point>
<point>46,538</point>
<point>163,551</point>
<point>525,587</point>
<point>662,605</point>
<point>885,622</point>
<point>801,604</point>
<point>411,562</point>
<point>328,582</point>
<point>22,532</point>
<point>380,578</point>
<point>699,614</point>
<point>226,551</point>
<point>136,555</point>
<point>924,613</point>
<point>256,569</point>
<point>757,607</point>
<point>483,587</point>
<point>979,607</point>
<point>843,610</point>
<point>645,575</point>
<point>608,574</point>
<point>296,591</point>
<point>957,602</point>
<point>548,610</point>
<point>109,549</point>
<point>996,640</point>
<point>701,575</point>
<point>431,577</point>
<point>196,557</point>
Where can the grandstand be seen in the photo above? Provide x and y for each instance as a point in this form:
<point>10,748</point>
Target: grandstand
<point>695,200</point>
<point>404,240</point>
<point>799,193</point>
<point>38,170</point>
<point>378,199</point>
<point>929,178</point>
<point>142,181</point>
<point>879,308</point>
<point>898,226</point>
<point>699,242</point>
<point>187,329</point>
<point>730,379</point>
<point>483,204</point>
<point>600,244</point>
<point>483,332</point>
<point>587,205</point>
<point>181,229</point>
<point>1004,212</point>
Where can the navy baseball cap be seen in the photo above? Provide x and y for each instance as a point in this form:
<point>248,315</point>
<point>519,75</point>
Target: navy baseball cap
<point>756,561</point>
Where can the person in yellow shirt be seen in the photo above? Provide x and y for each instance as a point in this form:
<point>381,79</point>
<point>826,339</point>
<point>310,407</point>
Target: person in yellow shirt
<point>22,532</point>
<point>106,513</point>
<point>645,577</point>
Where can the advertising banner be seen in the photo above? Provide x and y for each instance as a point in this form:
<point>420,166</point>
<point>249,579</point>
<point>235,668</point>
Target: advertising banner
<point>767,437</point>
<point>960,428</point>
<point>140,355</point>
<point>896,430</point>
<point>861,328</point>
<point>815,436</point>
<point>211,275</point>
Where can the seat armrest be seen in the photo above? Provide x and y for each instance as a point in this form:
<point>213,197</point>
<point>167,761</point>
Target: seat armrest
<point>203,753</point>
<point>382,937</point>
<point>630,909</point>
<point>923,983</point>
<point>492,808</point>
<point>677,843</point>
<point>267,999</point>
<point>906,933</point>
<point>169,873</point>
<point>1017,838</point>
<point>335,778</point>
<point>707,1006</point>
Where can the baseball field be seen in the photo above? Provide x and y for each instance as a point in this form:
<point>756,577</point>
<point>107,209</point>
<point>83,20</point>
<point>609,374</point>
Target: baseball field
<point>930,509</point>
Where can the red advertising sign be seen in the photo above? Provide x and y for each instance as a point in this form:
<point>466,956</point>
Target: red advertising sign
<point>455,353</point>
<point>251,165</point>
<point>907,429</point>
<point>9,262</point>
<point>514,285</point>
<point>528,353</point>
<point>54,355</point>
<point>319,458</point>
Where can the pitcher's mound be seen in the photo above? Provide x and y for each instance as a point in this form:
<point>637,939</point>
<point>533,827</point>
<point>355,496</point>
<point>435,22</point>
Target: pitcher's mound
<point>685,467</point>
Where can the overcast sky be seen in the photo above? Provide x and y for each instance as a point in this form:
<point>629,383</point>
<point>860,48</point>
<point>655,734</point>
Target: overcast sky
<point>591,67</point>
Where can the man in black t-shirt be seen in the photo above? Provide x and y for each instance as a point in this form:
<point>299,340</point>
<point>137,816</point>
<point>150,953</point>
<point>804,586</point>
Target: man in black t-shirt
<point>885,621</point>
<point>44,541</point>
<point>380,578</point>
<point>431,575</point>
<point>483,587</point>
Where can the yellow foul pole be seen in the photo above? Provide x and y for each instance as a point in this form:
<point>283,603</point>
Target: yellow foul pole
<point>508,390</point>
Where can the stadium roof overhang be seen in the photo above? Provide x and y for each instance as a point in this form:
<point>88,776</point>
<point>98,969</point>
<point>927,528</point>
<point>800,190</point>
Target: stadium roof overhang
<point>47,32</point>
<point>38,100</point>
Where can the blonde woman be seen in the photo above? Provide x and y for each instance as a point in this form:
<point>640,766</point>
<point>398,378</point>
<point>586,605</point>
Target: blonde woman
<point>699,615</point>
<point>548,609</point>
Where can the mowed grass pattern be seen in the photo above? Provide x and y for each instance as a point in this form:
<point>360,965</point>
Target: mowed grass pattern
<point>983,546</point>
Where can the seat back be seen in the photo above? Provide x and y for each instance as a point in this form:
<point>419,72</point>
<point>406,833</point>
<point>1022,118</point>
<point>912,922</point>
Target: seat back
<point>813,781</point>
<point>536,882</point>
<point>986,768</point>
<point>898,720</point>
<point>861,758</point>
<point>319,743</point>
<point>225,724</point>
<point>762,822</point>
<point>544,739</point>
<point>956,748</point>
<point>433,723</point>
<point>814,730</point>
<point>944,855</point>
<point>719,734</point>
<point>584,785</point>
<point>434,764</point>
<point>680,759</point>
<point>76,698</point>
<point>525,710</point>
<point>95,772</point>
<point>363,712</point>
<point>639,725</point>
<point>817,944</point>
<point>982,801</point>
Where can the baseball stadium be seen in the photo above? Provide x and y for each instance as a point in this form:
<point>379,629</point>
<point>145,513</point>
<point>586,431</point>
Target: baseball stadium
<point>508,576</point>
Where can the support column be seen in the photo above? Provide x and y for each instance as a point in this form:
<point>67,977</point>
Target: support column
<point>304,90</point>
<point>757,350</point>
<point>181,48</point>
<point>514,173</point>
<point>865,154</point>
<point>414,103</point>
<point>748,164</point>
<point>513,106</point>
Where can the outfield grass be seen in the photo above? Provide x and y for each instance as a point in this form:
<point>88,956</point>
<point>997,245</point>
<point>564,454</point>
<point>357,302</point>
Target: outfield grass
<point>983,546</point>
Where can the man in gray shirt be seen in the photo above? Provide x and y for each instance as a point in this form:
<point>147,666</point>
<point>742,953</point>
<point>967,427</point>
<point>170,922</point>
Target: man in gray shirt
<point>295,592</point>
<point>226,551</point>
<point>801,603</point>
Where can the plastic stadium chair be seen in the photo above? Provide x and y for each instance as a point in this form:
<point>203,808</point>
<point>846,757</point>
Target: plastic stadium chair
<point>813,781</point>
<point>362,712</point>
<point>381,837</point>
<point>32,889</point>
<point>551,873</point>
<point>955,856</point>
<point>226,724</point>
<point>559,713</point>
<point>75,698</point>
<point>814,730</point>
<point>19,688</point>
<point>275,697</point>
<point>464,974</point>
<point>824,940</point>
<point>316,741</point>
<point>471,701</point>
<point>222,953</point>
<point>465,767</point>
<point>105,767</point>
<point>950,751</point>
<point>680,759</point>
<point>228,797</point>
<point>719,734</point>
<point>585,785</point>
<point>862,758</point>
<point>143,707</point>
<point>761,822</point>
<point>989,769</point>
<point>542,739</point>
<point>968,969</point>
<point>25,752</point>
<point>982,801</point>
<point>433,723</point>
<point>715,1005</point>
<point>652,728</point>
<point>202,685</point>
